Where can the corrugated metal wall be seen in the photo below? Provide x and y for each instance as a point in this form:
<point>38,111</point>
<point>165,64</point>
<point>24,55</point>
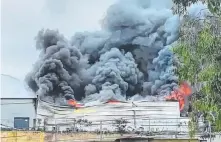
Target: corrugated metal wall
<point>160,115</point>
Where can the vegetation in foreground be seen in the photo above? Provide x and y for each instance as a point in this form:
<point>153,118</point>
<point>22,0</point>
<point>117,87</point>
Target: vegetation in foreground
<point>199,52</point>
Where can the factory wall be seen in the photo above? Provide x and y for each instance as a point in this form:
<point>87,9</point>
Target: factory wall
<point>20,108</point>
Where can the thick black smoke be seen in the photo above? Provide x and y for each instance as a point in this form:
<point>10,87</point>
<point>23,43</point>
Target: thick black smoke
<point>59,70</point>
<point>130,56</point>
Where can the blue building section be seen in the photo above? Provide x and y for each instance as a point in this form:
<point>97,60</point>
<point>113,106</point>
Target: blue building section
<point>21,122</point>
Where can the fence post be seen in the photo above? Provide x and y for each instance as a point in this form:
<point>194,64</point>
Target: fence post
<point>135,125</point>
<point>101,131</point>
<point>210,129</point>
<point>56,130</point>
<point>149,124</point>
<point>176,127</point>
<point>74,126</point>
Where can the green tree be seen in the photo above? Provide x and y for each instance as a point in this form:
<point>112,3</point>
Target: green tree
<point>199,51</point>
<point>120,125</point>
<point>213,5</point>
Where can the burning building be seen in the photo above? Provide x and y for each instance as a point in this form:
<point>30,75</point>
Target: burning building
<point>129,59</point>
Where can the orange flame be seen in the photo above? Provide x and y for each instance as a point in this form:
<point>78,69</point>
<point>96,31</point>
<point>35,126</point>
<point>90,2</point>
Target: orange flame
<point>74,103</point>
<point>185,89</point>
<point>113,101</point>
<point>180,93</point>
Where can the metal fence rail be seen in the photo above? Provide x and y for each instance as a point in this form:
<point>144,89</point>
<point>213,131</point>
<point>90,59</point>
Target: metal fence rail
<point>72,129</point>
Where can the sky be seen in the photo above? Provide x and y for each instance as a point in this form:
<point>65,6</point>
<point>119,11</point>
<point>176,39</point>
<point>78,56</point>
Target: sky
<point>22,19</point>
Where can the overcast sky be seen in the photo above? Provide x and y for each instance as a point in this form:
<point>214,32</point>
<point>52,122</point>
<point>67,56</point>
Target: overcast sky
<point>22,19</point>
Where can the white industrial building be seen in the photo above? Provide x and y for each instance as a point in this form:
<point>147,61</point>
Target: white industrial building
<point>18,105</point>
<point>152,116</point>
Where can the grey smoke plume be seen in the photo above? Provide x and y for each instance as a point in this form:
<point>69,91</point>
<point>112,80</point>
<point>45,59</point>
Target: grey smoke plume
<point>198,11</point>
<point>143,31</point>
<point>162,79</point>
<point>59,68</point>
<point>129,56</point>
<point>114,67</point>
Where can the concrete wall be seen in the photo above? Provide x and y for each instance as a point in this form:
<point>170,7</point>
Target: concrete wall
<point>11,108</point>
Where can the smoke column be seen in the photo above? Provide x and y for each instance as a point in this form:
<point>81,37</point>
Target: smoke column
<point>59,69</point>
<point>130,58</point>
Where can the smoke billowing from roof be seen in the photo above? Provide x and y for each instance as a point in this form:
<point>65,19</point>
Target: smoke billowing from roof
<point>59,69</point>
<point>130,56</point>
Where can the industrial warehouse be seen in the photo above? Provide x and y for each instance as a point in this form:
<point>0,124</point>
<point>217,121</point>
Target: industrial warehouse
<point>140,119</point>
<point>149,72</point>
<point>18,105</point>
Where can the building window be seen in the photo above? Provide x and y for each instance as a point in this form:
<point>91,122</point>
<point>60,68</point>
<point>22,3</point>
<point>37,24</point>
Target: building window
<point>21,123</point>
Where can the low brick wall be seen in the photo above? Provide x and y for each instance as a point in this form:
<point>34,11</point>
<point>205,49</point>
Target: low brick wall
<point>22,136</point>
<point>33,136</point>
